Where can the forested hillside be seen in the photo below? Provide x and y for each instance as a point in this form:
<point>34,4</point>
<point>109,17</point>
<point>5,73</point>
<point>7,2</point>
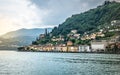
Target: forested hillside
<point>90,20</point>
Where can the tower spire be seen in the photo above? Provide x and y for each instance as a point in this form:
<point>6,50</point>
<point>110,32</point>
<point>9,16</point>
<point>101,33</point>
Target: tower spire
<point>46,31</point>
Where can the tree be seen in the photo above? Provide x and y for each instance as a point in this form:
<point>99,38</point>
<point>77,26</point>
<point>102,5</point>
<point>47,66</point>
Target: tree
<point>34,43</point>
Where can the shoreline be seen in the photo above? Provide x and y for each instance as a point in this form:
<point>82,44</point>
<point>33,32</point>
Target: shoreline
<point>70,52</point>
<point>63,52</point>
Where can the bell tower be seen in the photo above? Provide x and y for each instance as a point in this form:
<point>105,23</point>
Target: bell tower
<point>46,31</point>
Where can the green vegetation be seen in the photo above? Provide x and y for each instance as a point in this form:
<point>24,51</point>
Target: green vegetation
<point>83,42</point>
<point>90,20</point>
<point>109,34</point>
<point>42,41</point>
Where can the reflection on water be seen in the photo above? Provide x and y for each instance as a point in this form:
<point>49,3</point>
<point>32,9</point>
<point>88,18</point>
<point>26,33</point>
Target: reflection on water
<point>88,61</point>
<point>36,63</point>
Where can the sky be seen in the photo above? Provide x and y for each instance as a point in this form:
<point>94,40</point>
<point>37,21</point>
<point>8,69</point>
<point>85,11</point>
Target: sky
<point>17,14</point>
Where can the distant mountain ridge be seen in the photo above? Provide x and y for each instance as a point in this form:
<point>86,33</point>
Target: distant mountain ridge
<point>20,37</point>
<point>25,32</point>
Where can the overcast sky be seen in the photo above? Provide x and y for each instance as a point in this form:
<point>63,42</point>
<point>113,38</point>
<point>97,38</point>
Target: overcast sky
<point>16,14</point>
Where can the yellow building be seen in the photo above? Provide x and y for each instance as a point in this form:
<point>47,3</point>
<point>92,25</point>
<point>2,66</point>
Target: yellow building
<point>72,49</point>
<point>64,49</point>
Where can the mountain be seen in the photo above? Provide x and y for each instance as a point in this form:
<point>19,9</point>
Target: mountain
<point>20,37</point>
<point>25,32</point>
<point>90,20</point>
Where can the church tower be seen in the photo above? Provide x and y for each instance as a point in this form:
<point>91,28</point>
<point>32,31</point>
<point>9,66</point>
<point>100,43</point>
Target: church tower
<point>46,31</point>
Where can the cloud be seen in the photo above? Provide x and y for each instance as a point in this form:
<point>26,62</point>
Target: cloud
<point>15,14</point>
<point>58,11</point>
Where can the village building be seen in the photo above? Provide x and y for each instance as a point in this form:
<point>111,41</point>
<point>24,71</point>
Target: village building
<point>82,38</point>
<point>64,49</point>
<point>69,43</point>
<point>118,45</point>
<point>60,38</point>
<point>61,48</point>
<point>26,48</point>
<point>41,36</point>
<point>115,22</point>
<point>76,36</point>
<point>114,45</point>
<point>98,46</point>
<point>72,48</point>
<point>100,34</point>
<point>74,31</point>
<point>93,36</point>
<point>73,34</point>
<point>38,48</point>
<point>87,37</point>
<point>58,48</point>
<point>32,47</point>
<point>84,48</point>
<point>114,39</point>
<point>114,30</point>
<point>57,39</point>
<point>48,48</point>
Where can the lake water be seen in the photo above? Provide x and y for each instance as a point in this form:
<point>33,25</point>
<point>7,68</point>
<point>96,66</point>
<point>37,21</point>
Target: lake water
<point>38,63</point>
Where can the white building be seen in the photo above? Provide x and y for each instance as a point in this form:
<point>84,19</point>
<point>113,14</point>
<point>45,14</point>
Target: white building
<point>98,46</point>
<point>84,48</point>
<point>74,31</point>
<point>115,22</point>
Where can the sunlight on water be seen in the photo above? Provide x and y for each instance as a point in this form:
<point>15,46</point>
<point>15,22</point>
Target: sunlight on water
<point>36,63</point>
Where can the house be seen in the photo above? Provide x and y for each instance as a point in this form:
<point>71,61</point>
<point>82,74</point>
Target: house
<point>93,36</point>
<point>74,31</point>
<point>115,46</point>
<point>32,47</point>
<point>114,39</point>
<point>39,48</point>
<point>42,36</point>
<point>82,38</point>
<point>85,37</point>
<point>77,36</point>
<point>48,48</point>
<point>53,39</point>
<point>72,48</point>
<point>115,22</point>
<point>57,48</point>
<point>69,43</point>
<point>64,48</point>
<point>61,48</point>
<point>84,48</point>
<point>100,34</point>
<point>60,38</point>
<point>73,34</point>
<point>118,45</point>
<point>98,46</point>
